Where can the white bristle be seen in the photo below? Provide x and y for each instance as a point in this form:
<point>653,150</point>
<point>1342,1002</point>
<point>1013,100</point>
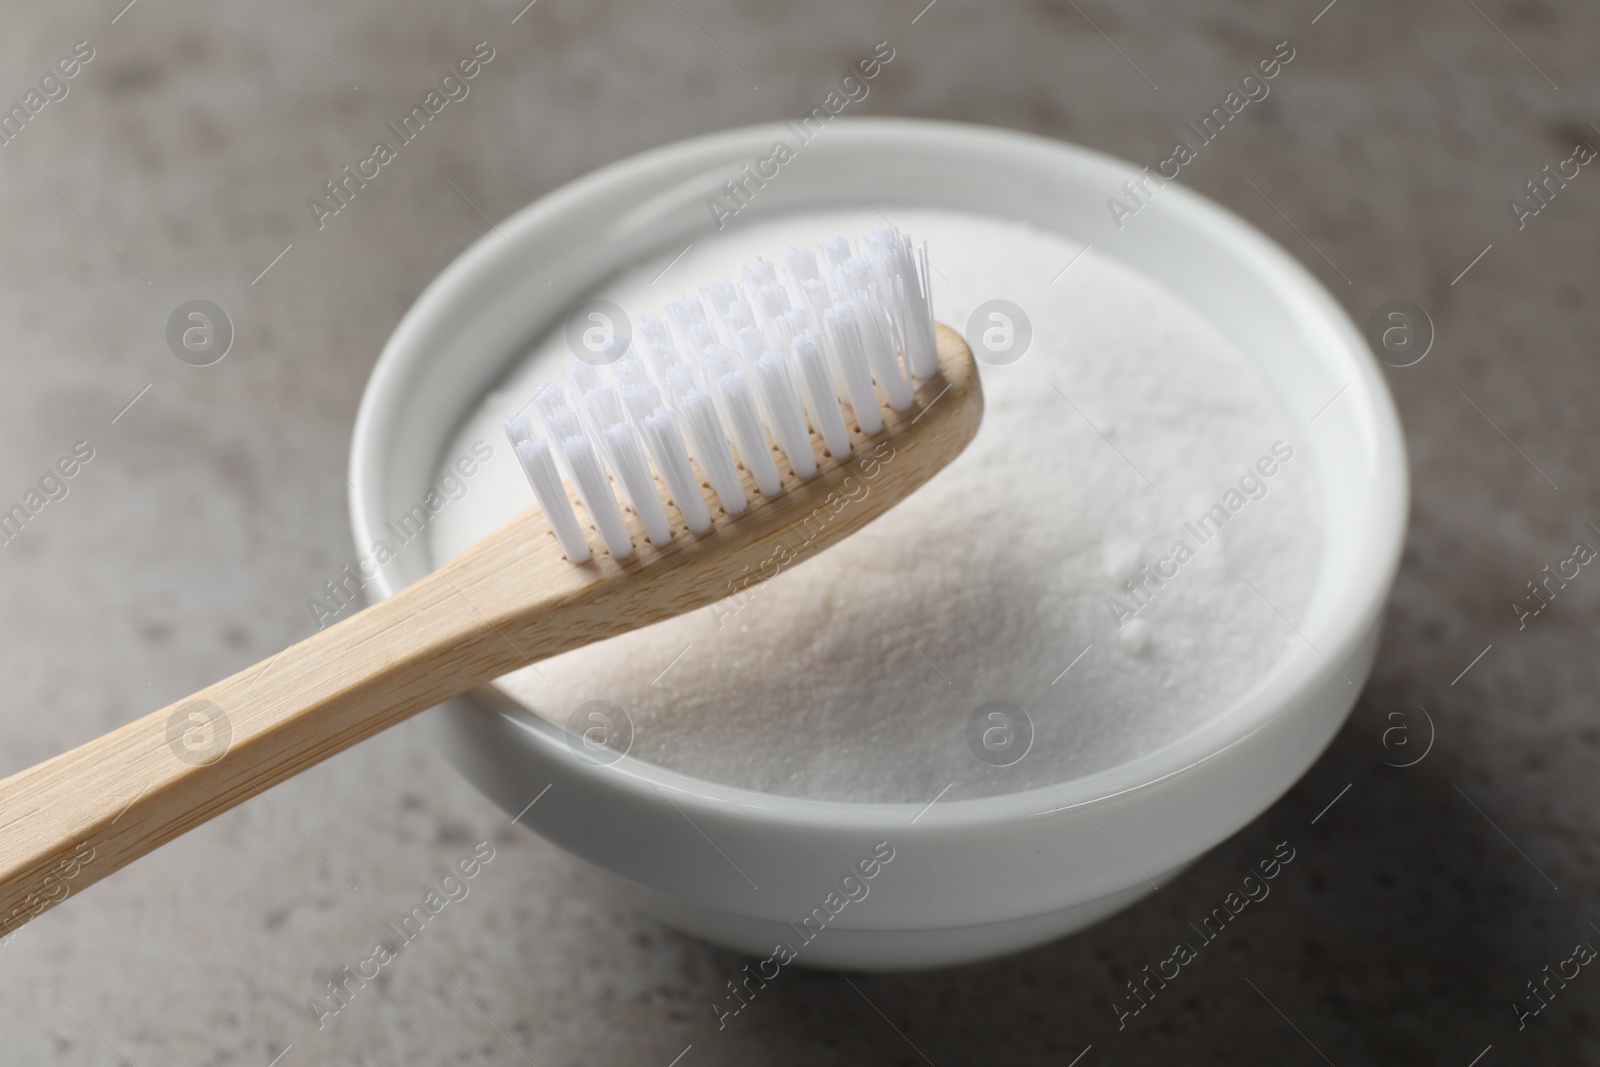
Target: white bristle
<point>915,319</point>
<point>653,331</point>
<point>677,381</point>
<point>773,300</point>
<point>629,371</point>
<point>785,413</point>
<point>548,399</point>
<point>906,291</point>
<point>800,264</point>
<point>817,301</point>
<point>752,345</point>
<point>718,295</point>
<point>821,396</point>
<point>604,406</point>
<point>717,361</point>
<point>782,330</point>
<point>641,400</point>
<point>856,282</point>
<point>658,359</point>
<point>540,467</point>
<point>588,425</point>
<point>878,335</point>
<point>718,378</point>
<point>745,423</point>
<point>594,489</point>
<point>518,428</point>
<point>633,470</point>
<point>700,335</point>
<point>672,463</point>
<point>758,276</point>
<point>709,443</point>
<point>681,315</point>
<point>737,317</point>
<point>850,355</point>
<point>581,377</point>
<point>596,411</point>
<point>562,423</point>
<point>559,422</point>
<point>835,250</point>
<point>850,277</point>
<point>685,311</point>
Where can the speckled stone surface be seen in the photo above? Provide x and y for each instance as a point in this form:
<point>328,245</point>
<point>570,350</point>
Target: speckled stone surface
<point>1418,905</point>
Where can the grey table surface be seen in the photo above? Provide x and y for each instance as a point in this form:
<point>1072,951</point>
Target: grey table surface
<point>178,166</point>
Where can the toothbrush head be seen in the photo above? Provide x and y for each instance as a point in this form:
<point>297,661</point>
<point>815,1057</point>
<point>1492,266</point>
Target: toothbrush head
<point>808,416</point>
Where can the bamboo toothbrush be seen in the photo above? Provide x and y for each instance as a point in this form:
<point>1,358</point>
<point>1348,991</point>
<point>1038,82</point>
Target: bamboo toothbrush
<point>810,406</point>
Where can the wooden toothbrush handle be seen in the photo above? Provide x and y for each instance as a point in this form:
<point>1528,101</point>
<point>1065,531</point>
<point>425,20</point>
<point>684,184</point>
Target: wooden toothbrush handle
<point>74,819</point>
<point>510,600</point>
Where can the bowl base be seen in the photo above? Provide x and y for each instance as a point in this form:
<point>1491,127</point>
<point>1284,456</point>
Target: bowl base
<point>842,949</point>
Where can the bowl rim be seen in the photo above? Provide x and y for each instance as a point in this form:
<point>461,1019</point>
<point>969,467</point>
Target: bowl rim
<point>1355,610</point>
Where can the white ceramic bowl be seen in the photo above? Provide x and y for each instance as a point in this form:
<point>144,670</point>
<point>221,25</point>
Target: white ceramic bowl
<point>971,878</point>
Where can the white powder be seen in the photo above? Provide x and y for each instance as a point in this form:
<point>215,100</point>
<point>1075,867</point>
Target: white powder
<point>855,675</point>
